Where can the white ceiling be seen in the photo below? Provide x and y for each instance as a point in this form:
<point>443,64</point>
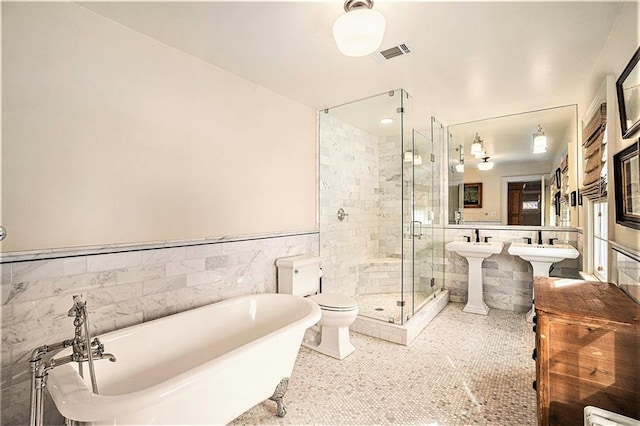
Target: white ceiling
<point>470,60</point>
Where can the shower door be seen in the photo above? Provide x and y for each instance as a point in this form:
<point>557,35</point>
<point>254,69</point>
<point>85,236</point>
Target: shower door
<point>422,211</point>
<point>422,220</point>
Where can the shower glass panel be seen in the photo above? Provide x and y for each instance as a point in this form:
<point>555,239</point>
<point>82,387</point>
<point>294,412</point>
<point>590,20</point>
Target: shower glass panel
<point>423,219</point>
<point>438,187</point>
<point>380,174</point>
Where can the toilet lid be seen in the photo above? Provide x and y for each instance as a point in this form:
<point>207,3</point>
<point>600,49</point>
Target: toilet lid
<point>334,301</point>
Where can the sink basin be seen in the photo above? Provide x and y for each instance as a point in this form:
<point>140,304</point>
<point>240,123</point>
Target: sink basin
<point>475,253</point>
<point>470,249</point>
<point>543,252</point>
<point>541,257</point>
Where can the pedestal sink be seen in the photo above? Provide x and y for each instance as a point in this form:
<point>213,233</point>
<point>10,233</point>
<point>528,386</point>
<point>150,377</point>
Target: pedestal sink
<point>475,253</point>
<point>541,257</point>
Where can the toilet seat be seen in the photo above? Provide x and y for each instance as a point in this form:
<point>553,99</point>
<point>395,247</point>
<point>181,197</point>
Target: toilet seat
<point>334,302</point>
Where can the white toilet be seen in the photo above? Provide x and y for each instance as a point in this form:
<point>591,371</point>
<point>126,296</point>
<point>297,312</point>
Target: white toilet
<point>300,275</point>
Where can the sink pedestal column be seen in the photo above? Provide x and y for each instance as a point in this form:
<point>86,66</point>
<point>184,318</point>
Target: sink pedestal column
<point>475,303</point>
<point>540,269</point>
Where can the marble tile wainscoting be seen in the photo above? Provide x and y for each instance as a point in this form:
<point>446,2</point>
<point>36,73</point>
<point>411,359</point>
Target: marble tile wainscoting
<point>123,289</point>
<point>508,280</point>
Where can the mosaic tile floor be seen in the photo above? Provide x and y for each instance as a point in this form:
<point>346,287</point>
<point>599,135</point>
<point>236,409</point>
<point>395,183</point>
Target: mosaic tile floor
<point>464,369</point>
<point>383,306</point>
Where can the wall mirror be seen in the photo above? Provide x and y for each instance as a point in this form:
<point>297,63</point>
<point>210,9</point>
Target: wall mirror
<point>527,180</point>
<point>626,172</point>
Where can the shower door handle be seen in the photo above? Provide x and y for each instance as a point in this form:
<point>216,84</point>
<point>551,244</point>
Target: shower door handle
<point>413,229</point>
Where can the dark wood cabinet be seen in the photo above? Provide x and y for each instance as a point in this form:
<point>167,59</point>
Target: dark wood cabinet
<point>587,350</point>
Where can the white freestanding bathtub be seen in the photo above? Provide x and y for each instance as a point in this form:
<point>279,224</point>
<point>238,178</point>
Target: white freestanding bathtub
<point>204,366</point>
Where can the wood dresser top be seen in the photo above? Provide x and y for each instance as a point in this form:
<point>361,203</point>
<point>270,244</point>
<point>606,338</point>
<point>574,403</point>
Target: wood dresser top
<point>580,299</point>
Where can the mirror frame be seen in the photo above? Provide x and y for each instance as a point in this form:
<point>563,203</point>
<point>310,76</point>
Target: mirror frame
<point>623,105</point>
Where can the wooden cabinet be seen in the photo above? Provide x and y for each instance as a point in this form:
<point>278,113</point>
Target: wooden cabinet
<point>587,350</point>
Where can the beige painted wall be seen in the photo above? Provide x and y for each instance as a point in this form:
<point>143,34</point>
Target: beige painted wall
<point>623,42</point>
<point>110,137</point>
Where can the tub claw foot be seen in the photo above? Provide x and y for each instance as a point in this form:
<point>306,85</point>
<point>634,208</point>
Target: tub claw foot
<point>278,397</point>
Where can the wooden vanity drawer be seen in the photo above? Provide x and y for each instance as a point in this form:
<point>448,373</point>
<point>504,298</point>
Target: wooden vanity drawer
<point>572,394</point>
<point>589,353</point>
<point>588,350</point>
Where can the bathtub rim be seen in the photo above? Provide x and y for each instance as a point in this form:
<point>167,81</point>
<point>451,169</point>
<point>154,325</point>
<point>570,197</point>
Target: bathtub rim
<point>78,402</point>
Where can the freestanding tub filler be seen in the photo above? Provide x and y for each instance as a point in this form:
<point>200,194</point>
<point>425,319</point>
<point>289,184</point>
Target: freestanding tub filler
<point>204,366</point>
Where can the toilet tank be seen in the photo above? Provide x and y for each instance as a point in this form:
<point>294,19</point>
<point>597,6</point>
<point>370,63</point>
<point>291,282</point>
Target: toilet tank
<point>299,275</point>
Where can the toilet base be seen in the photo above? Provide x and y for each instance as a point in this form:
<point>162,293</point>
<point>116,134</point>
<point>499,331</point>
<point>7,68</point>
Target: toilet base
<point>333,341</point>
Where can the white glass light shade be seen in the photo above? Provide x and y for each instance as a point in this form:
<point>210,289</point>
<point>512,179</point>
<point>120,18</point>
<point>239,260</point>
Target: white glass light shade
<point>480,154</point>
<point>460,168</point>
<point>359,32</point>
<point>539,149</point>
<point>540,140</point>
<point>417,159</point>
<point>485,165</point>
<point>476,148</point>
<point>408,157</point>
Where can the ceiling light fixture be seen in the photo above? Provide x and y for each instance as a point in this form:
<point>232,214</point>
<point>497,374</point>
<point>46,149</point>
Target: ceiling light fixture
<point>539,141</point>
<point>359,32</point>
<point>485,165</point>
<point>476,146</point>
<point>386,120</point>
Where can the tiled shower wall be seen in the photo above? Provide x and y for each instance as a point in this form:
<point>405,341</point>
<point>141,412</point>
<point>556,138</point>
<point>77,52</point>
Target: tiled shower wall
<point>508,280</point>
<point>363,174</point>
<point>123,289</point>
<point>348,180</point>
<point>390,194</point>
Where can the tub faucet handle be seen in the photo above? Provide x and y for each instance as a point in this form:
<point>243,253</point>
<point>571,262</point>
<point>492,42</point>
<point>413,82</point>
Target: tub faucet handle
<point>78,304</point>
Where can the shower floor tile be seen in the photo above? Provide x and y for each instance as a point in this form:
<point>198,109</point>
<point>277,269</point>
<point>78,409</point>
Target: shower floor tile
<point>383,306</point>
<point>463,369</point>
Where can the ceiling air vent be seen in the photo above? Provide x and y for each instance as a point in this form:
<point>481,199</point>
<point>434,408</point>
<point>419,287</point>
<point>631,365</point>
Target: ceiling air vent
<point>392,52</point>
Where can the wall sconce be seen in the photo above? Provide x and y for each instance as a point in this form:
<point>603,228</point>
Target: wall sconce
<point>460,165</point>
<point>476,147</point>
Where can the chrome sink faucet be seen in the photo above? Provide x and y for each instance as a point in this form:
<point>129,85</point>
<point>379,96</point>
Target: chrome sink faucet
<point>540,237</point>
<point>477,232</point>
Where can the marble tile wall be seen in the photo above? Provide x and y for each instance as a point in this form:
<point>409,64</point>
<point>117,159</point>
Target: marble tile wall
<point>123,289</point>
<point>390,192</point>
<point>348,180</point>
<point>363,174</point>
<point>380,275</point>
<point>508,280</point>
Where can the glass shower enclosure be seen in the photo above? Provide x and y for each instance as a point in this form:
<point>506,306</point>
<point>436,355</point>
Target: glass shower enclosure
<point>380,210</point>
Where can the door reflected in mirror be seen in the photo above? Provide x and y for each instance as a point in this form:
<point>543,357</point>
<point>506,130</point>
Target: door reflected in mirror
<point>526,164</point>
